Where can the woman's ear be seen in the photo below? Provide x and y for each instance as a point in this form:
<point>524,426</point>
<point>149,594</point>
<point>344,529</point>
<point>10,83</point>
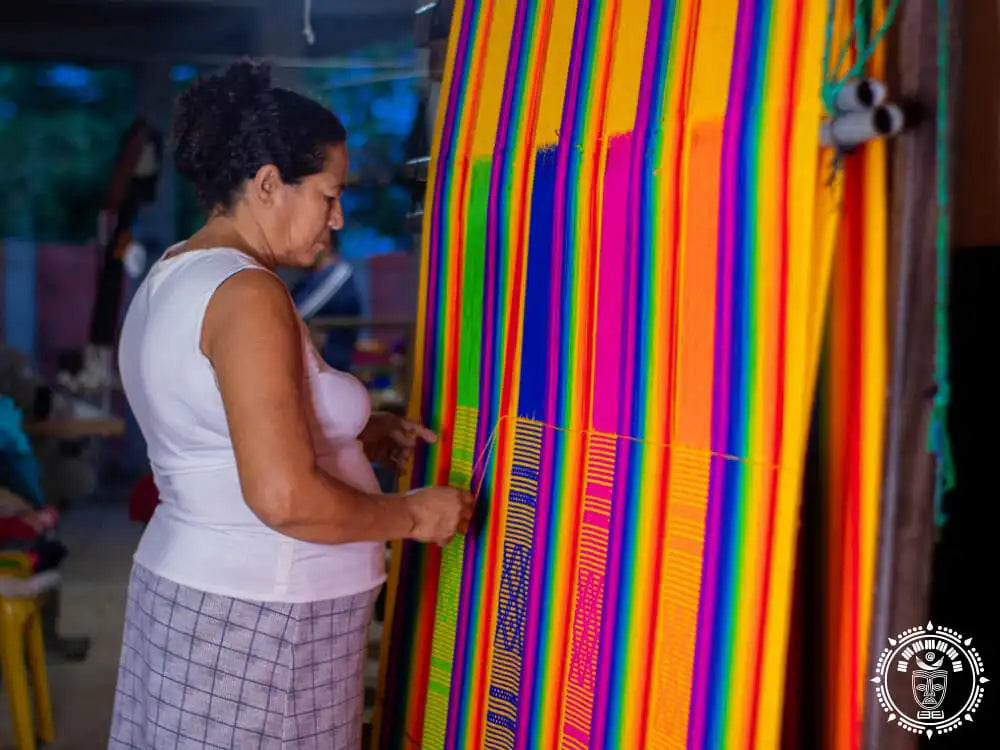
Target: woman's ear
<point>265,184</point>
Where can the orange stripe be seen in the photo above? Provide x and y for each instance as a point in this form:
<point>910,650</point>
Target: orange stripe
<point>677,613</point>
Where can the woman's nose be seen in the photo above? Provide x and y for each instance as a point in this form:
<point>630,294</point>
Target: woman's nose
<point>336,219</point>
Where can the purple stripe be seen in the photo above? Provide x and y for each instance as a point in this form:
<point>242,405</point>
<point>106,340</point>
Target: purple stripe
<point>547,468</point>
<point>729,195</point>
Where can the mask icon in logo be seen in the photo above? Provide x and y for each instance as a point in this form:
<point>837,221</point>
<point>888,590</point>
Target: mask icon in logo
<point>930,685</point>
<point>930,680</point>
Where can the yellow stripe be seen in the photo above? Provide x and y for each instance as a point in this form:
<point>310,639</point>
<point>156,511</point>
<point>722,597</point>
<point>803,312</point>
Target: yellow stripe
<point>798,392</point>
<point>553,91</point>
<point>497,51</point>
<point>626,68</point>
<point>874,365</point>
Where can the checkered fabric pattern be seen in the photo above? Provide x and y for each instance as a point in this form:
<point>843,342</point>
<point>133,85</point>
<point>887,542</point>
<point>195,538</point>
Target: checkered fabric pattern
<point>200,670</point>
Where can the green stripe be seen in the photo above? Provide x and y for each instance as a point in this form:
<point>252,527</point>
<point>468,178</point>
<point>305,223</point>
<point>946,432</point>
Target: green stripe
<point>468,351</point>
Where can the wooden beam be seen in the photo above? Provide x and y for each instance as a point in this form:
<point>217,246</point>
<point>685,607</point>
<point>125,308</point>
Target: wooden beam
<point>977,125</point>
<point>906,528</point>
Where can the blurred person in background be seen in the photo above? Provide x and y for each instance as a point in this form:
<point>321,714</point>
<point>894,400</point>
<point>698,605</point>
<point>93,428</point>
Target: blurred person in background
<point>28,523</point>
<point>331,291</point>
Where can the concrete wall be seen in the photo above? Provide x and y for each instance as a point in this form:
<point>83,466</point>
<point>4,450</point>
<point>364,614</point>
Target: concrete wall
<point>66,285</point>
<point>53,302</point>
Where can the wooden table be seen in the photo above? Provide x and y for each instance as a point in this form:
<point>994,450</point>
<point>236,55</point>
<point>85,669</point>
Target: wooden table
<point>69,429</point>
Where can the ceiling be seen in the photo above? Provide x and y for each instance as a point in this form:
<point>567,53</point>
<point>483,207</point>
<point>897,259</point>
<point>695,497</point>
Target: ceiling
<point>172,31</point>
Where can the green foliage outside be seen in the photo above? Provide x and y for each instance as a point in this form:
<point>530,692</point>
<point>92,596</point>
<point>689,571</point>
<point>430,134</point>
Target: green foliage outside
<point>60,126</point>
<point>59,131</point>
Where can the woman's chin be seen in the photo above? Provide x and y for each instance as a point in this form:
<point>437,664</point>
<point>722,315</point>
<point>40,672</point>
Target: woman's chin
<point>308,258</point>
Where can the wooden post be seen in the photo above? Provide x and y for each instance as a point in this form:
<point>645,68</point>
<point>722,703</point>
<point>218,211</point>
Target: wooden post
<point>906,526</point>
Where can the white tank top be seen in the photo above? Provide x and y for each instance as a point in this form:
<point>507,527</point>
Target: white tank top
<point>203,534</point>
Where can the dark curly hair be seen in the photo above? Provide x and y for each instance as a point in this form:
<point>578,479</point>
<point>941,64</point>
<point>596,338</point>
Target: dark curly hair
<point>228,125</point>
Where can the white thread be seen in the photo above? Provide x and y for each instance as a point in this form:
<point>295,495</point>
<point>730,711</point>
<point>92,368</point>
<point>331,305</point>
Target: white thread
<point>307,29</point>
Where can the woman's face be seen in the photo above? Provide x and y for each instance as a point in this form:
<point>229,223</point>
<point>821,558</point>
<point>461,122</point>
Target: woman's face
<point>301,216</point>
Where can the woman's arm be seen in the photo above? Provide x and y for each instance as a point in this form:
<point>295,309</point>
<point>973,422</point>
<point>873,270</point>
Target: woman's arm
<point>252,337</point>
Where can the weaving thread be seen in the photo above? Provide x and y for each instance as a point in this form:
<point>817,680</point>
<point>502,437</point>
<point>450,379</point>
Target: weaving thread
<point>832,84</point>
<point>622,294</point>
<point>938,439</point>
<point>852,413</point>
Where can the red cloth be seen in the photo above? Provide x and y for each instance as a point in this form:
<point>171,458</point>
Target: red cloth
<point>143,500</point>
<point>28,525</point>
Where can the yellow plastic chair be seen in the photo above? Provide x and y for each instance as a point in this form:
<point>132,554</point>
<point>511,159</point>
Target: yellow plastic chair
<point>20,636</point>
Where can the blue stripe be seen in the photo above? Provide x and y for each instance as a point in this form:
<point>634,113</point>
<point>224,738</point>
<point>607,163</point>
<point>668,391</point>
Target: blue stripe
<point>535,344</point>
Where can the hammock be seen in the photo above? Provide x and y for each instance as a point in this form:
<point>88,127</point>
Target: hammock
<point>626,264</point>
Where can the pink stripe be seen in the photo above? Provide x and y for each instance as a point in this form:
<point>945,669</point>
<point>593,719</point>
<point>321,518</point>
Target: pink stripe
<point>590,575</point>
<point>610,300</point>
<point>638,140</point>
<point>590,518</point>
<point>600,492</point>
<point>576,733</point>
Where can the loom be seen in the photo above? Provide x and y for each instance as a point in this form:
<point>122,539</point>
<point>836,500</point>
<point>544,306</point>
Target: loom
<point>637,254</point>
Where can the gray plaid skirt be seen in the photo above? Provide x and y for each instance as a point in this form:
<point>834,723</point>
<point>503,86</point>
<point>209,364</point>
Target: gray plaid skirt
<point>200,670</point>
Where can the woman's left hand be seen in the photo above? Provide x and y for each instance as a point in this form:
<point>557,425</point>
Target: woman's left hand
<point>389,439</point>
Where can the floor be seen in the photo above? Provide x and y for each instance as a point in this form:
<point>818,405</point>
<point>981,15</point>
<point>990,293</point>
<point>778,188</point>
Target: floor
<point>100,539</point>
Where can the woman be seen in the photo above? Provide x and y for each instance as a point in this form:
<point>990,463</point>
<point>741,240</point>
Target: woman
<point>253,585</point>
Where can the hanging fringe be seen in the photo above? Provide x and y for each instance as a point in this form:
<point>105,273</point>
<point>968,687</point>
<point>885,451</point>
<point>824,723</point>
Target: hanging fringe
<point>938,440</point>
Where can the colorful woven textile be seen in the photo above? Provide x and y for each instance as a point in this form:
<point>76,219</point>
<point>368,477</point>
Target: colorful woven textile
<point>627,254</point>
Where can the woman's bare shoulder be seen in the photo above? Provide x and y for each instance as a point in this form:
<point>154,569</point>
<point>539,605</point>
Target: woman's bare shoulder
<point>253,302</point>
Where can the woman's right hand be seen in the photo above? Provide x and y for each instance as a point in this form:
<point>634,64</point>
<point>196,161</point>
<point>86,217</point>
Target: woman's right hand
<point>439,513</point>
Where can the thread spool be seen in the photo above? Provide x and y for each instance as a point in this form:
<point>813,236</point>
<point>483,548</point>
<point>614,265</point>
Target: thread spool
<point>852,129</point>
<point>857,95</point>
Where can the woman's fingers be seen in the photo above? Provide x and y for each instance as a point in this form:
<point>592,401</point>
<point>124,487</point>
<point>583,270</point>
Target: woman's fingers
<point>418,430</point>
<point>403,438</point>
<point>428,436</point>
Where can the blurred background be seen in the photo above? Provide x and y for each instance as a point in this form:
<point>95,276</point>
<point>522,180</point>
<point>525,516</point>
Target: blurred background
<point>89,200</point>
